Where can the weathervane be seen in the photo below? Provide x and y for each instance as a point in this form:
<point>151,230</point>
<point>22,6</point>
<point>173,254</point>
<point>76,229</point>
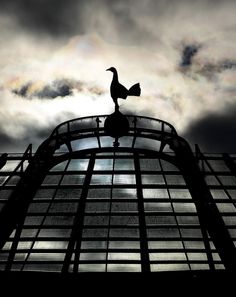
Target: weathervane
<point>116,124</point>
<point>119,91</point>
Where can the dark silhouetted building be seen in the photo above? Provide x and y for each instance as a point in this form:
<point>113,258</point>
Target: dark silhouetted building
<point>137,203</point>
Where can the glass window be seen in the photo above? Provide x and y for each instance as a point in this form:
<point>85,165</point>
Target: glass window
<point>124,164</point>
<point>59,220</point>
<point>50,244</point>
<point>232,194</point>
<point>33,220</point>
<point>46,257</point>
<point>76,179</point>
<point>188,220</point>
<point>163,233</point>
<point>123,268</point>
<point>149,165</point>
<point>229,220</point>
<point>152,179</point>
<point>180,193</point>
<point>123,207</point>
<point>124,179</point>
<point>126,233</point>
<point>45,193</point>
<point>124,193</point>
<point>197,256</point>
<point>68,193</point>
<point>124,220</point>
<point>219,194</point>
<point>42,267</point>
<point>29,232</point>
<point>59,167</point>
<point>63,207</point>
<point>211,180</point>
<point>218,165</point>
<point>103,164</point>
<point>96,220</point>
<point>92,256</point>
<point>123,256</point>
<point>191,233</point>
<point>13,180</point>
<point>5,194</point>
<point>2,179</point>
<point>101,179</point>
<point>124,244</point>
<point>157,206</point>
<point>167,256</point>
<point>226,207</point>
<point>155,193</point>
<point>228,180</point>
<point>175,180</point>
<point>161,244</point>
<point>78,164</point>
<point>99,193</point>
<point>169,267</point>
<point>99,232</point>
<point>160,220</point>
<point>38,207</point>
<point>97,206</point>
<point>54,233</point>
<point>167,166</point>
<point>10,165</point>
<point>94,244</point>
<point>184,207</point>
<point>52,180</point>
<point>92,267</point>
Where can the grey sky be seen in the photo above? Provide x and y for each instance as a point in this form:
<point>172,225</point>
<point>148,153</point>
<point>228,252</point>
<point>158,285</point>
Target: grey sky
<point>54,53</point>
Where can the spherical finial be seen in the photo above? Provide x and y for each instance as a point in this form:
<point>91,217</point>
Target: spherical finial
<point>116,124</point>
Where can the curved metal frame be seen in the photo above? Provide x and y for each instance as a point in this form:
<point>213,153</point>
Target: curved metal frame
<point>44,158</point>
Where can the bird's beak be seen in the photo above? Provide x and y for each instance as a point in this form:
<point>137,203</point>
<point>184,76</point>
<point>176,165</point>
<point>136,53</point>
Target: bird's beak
<point>108,69</point>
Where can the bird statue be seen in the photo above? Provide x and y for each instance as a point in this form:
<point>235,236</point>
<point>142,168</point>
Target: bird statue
<point>119,91</point>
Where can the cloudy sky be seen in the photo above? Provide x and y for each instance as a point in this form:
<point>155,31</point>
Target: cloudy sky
<point>53,56</point>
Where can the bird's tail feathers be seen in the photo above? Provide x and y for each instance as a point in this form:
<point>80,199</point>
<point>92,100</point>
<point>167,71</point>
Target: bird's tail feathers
<point>135,90</point>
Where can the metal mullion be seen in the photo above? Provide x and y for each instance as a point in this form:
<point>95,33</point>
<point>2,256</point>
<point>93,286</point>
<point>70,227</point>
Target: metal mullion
<point>13,249</point>
<point>45,214</point>
<point>76,234</point>
<point>110,206</point>
<point>204,231</point>
<point>174,213</point>
<point>215,174</point>
<point>145,264</point>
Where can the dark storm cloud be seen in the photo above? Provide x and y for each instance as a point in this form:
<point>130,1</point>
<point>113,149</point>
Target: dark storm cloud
<point>50,16</point>
<point>215,132</point>
<point>188,53</point>
<point>58,88</point>
<point>23,90</point>
<point>6,141</point>
<point>210,70</point>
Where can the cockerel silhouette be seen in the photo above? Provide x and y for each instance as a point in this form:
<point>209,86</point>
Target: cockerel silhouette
<point>119,91</point>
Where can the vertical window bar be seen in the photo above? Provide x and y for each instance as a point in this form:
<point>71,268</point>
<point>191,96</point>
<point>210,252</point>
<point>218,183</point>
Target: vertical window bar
<point>230,163</point>
<point>45,214</point>
<point>14,245</point>
<point>145,263</point>
<point>109,219</point>
<point>77,229</point>
<point>172,208</point>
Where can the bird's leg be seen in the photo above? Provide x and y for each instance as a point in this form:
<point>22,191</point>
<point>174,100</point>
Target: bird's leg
<point>116,105</point>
